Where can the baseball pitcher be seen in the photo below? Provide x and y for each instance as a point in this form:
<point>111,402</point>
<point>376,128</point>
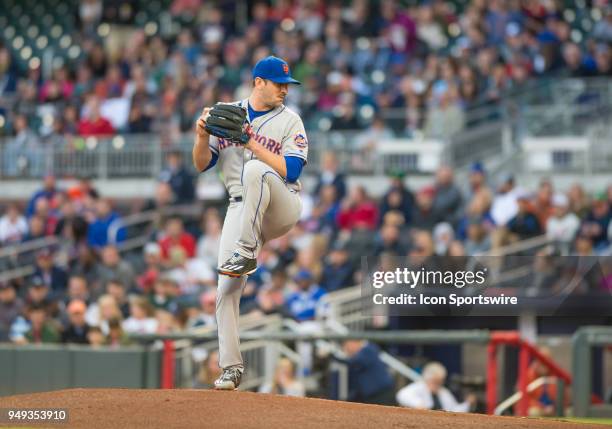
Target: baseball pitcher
<point>261,147</point>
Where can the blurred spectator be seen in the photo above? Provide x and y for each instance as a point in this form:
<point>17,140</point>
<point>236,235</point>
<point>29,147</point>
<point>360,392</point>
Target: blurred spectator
<point>447,198</point>
<point>99,230</point>
<point>525,224</point>
<point>43,211</point>
<point>42,330</point>
<point>271,296</point>
<point>164,294</point>
<point>95,337</point>
<point>303,303</point>
<point>443,236</point>
<point>543,204</point>
<point>93,123</point>
<point>398,198</point>
<point>583,245</point>
<point>369,139</point>
<point>478,241</point>
<point>113,267</point>
<point>505,204</point>
<point>397,28</point>
<point>151,272</point>
<point>88,266</point>
<point>38,292</point>
<point>331,176</point>
<point>430,393</point>
<point>389,241</point>
<point>141,320</point>
<point>117,337</point>
<point>369,379</point>
<point>175,235</point>
<point>478,184</point>
<point>563,225</point>
<point>48,193</point>
<point>579,201</point>
<point>595,224</point>
<point>423,215</point>
<point>338,270</point>
<point>13,226</point>
<point>51,275</point>
<point>192,275</point>
<point>78,289</point>
<point>447,118</point>
<point>284,382</point>
<point>178,177</point>
<point>21,154</point>
<point>117,290</point>
<point>11,306</point>
<point>324,213</point>
<point>102,312</point>
<point>163,198</point>
<point>77,329</point>
<point>71,225</point>
<point>8,72</point>
<point>206,312</point>
<point>90,14</point>
<point>36,229</point>
<point>358,211</point>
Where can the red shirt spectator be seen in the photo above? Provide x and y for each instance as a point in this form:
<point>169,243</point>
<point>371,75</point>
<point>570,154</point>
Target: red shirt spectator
<point>358,211</point>
<point>176,236</point>
<point>94,124</point>
<point>98,127</point>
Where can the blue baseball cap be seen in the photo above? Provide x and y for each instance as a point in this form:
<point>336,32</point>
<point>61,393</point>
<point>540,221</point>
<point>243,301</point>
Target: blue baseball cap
<point>274,69</point>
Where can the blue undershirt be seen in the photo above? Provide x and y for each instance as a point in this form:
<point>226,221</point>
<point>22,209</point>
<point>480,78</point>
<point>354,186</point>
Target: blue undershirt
<point>293,163</point>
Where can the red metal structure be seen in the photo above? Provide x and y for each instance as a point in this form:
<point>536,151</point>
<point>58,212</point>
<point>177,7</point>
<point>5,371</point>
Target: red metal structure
<point>527,351</point>
<point>167,372</point>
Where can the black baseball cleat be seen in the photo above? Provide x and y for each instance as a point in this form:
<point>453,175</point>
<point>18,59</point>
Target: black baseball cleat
<point>229,379</point>
<point>238,266</point>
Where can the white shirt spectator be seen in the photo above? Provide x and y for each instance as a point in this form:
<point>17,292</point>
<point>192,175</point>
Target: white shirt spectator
<point>13,229</point>
<point>562,228</point>
<point>504,207</point>
<point>418,395</point>
<point>193,276</point>
<point>132,325</point>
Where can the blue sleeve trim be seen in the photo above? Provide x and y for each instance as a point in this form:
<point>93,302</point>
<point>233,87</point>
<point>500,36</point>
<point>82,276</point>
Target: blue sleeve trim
<point>212,162</point>
<point>294,168</point>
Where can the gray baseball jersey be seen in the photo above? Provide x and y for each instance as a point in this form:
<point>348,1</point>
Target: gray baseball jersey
<point>269,207</point>
<point>281,131</point>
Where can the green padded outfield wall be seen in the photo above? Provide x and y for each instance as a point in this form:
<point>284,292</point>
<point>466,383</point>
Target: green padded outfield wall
<point>25,369</point>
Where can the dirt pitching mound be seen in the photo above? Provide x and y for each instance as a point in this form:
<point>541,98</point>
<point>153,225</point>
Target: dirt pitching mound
<point>152,409</point>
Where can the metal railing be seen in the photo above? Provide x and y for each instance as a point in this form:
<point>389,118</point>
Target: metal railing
<point>142,156</point>
<point>17,260</point>
<point>517,396</point>
<point>120,156</point>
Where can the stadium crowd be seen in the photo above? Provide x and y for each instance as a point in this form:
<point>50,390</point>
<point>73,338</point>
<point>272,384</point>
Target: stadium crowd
<point>430,61</point>
<point>171,285</point>
<point>427,61</point>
